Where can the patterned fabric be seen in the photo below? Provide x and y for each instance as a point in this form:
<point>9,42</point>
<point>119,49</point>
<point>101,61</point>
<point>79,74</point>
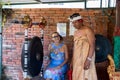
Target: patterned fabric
<point>81,48</point>
<point>56,60</point>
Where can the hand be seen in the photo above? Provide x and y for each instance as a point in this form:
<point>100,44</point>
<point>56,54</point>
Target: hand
<point>87,64</point>
<point>58,67</point>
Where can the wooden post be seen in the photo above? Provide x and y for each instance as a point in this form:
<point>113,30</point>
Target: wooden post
<point>117,26</point>
<point>118,13</point>
<point>0,40</point>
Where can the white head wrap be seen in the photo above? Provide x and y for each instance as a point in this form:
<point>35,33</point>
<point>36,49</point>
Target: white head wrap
<point>74,18</point>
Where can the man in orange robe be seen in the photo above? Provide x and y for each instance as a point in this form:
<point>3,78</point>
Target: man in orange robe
<point>83,61</point>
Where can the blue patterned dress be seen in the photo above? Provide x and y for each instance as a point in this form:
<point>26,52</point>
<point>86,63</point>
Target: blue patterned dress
<point>56,60</point>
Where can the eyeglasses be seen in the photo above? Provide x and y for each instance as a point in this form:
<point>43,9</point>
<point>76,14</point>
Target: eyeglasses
<point>55,36</point>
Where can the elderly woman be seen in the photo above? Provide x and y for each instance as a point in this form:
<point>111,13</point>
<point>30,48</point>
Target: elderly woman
<point>58,53</point>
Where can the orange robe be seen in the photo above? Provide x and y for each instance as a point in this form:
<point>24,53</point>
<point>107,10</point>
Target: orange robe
<point>81,48</point>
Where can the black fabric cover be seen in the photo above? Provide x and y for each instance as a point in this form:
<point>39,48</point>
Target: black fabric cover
<point>102,48</point>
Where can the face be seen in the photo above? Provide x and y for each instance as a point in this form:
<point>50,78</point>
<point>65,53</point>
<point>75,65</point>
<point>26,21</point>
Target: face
<point>55,37</point>
<point>77,24</point>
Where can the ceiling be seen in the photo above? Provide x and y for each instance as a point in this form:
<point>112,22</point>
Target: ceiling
<point>87,3</point>
<point>37,1</point>
<point>19,1</point>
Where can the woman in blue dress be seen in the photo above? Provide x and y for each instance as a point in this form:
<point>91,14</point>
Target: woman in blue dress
<point>57,67</point>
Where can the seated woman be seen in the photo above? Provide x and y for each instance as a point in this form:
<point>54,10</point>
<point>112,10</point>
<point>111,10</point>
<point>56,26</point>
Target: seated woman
<point>57,67</point>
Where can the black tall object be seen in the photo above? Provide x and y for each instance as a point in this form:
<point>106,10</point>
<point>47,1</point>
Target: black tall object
<point>34,56</point>
<point>102,48</point>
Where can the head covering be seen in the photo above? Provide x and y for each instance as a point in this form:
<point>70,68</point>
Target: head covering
<point>74,17</point>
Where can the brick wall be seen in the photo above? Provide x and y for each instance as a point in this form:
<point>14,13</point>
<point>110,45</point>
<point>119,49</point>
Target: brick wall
<point>13,34</point>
